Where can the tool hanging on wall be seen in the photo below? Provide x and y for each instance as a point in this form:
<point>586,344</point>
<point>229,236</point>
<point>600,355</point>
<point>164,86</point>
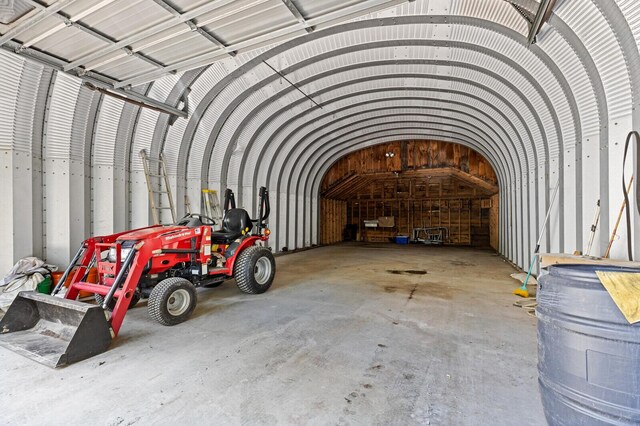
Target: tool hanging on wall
<point>522,291</point>
<point>626,193</point>
<point>615,228</point>
<point>594,227</point>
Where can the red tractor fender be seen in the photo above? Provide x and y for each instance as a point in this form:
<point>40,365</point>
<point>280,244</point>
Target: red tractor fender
<point>248,242</point>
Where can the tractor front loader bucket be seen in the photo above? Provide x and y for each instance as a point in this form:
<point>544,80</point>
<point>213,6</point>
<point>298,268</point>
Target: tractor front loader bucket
<point>54,331</point>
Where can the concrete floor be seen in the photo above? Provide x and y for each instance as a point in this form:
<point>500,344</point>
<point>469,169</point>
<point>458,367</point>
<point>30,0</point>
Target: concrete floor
<point>337,340</point>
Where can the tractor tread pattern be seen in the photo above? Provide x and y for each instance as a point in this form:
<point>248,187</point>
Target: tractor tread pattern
<point>243,270</point>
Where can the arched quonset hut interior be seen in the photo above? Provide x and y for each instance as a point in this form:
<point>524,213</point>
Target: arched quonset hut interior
<point>449,122</point>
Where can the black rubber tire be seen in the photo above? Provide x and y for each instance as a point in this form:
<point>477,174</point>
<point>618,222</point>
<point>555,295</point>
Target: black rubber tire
<point>161,297</point>
<point>250,275</point>
<point>134,300</point>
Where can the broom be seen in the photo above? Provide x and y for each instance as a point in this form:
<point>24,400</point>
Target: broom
<point>522,291</point>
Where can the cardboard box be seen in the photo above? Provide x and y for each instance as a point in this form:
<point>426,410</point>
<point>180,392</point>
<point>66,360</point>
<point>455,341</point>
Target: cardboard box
<point>386,222</point>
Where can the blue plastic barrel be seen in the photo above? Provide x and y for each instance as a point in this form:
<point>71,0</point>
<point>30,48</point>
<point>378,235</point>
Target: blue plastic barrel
<point>588,353</point>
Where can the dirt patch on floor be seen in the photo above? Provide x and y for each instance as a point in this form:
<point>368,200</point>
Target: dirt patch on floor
<point>461,263</point>
<point>437,290</point>
<point>425,288</point>
<point>407,271</point>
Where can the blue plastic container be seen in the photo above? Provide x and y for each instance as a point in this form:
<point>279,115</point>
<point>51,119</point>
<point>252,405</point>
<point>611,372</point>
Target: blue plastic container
<point>588,354</point>
<point>402,239</point>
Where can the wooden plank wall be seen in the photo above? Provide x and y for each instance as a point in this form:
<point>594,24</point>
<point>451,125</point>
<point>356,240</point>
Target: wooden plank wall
<point>467,221</point>
<point>390,189</point>
<point>411,155</point>
<point>494,222</point>
<point>334,220</point>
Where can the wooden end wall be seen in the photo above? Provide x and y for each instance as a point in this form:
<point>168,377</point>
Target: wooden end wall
<point>387,180</point>
<point>334,221</point>
<point>494,223</point>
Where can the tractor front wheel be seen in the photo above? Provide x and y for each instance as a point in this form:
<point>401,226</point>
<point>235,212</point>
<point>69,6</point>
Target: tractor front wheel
<point>172,301</point>
<point>254,270</point>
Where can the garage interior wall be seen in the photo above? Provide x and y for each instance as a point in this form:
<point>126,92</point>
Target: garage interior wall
<point>558,110</point>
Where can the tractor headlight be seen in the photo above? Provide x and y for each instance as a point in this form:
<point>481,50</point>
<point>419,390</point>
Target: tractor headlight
<point>124,252</point>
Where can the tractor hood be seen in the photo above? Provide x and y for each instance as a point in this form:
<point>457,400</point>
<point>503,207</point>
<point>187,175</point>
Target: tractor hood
<point>151,232</point>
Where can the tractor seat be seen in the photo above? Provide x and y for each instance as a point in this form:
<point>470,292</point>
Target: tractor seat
<point>235,221</point>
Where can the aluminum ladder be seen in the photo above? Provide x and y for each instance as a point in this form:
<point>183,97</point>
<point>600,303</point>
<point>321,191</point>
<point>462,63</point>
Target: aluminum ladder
<point>162,189</point>
<point>211,205</point>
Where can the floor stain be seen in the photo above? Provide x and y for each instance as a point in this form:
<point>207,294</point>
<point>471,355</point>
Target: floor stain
<point>439,290</point>
<point>461,263</point>
<point>413,290</point>
<point>428,289</point>
<point>407,271</point>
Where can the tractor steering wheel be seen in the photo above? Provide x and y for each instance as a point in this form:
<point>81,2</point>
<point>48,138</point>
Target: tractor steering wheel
<point>198,216</point>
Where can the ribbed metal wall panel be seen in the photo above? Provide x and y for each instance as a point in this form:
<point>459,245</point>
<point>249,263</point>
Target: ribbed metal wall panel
<point>631,11</point>
<point>80,123</point>
<point>491,10</point>
<point>63,102</point>
<point>562,54</point>
<point>10,74</point>
<point>594,31</point>
<point>142,137</point>
<point>205,128</point>
<point>290,139</point>
<point>380,84</point>
<point>106,132</point>
<point>172,143</point>
<point>177,132</point>
<point>26,105</point>
<point>511,49</point>
<point>163,86</point>
<point>285,137</point>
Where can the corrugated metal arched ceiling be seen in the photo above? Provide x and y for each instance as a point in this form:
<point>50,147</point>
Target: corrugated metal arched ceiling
<point>453,70</point>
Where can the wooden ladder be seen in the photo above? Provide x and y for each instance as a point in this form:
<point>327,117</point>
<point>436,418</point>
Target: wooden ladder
<point>162,189</point>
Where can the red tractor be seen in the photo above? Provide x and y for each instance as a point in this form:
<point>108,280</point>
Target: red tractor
<point>164,263</point>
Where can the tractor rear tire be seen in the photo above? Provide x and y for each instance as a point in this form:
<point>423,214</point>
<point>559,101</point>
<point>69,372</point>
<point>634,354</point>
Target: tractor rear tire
<point>134,300</point>
<point>172,301</point>
<point>254,270</point>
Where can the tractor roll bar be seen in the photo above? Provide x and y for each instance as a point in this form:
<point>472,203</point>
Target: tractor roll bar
<point>265,208</point>
<point>229,200</point>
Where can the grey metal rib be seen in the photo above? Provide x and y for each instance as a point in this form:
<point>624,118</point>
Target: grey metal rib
<point>229,149</point>
<point>409,42</point>
<point>399,20</point>
<point>422,76</point>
